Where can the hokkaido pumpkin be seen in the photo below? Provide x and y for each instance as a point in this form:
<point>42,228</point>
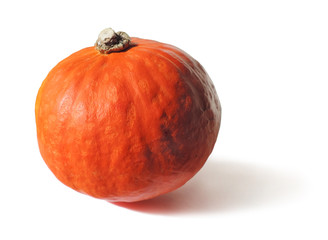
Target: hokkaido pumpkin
<point>127,119</point>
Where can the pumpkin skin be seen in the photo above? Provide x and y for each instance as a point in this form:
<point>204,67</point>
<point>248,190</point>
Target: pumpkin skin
<point>130,125</point>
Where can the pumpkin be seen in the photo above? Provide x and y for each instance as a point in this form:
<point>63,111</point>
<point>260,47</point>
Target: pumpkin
<point>128,119</point>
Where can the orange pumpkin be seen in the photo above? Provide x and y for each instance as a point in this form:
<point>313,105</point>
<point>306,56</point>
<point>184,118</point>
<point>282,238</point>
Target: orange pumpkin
<point>128,119</point>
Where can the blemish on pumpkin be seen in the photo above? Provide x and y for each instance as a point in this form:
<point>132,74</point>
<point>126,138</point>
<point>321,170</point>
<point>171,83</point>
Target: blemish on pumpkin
<point>144,86</point>
<point>111,94</point>
<point>187,103</point>
<point>168,143</point>
<point>130,115</point>
<point>155,99</point>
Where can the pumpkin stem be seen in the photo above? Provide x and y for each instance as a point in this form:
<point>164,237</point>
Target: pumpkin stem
<point>109,41</point>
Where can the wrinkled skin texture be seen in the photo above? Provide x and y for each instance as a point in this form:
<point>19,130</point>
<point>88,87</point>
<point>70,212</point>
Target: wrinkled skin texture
<point>127,126</point>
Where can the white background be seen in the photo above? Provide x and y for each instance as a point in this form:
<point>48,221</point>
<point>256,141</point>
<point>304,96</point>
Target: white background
<point>267,176</point>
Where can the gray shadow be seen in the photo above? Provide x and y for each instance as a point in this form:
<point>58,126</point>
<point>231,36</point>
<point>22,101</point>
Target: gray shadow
<point>223,185</point>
